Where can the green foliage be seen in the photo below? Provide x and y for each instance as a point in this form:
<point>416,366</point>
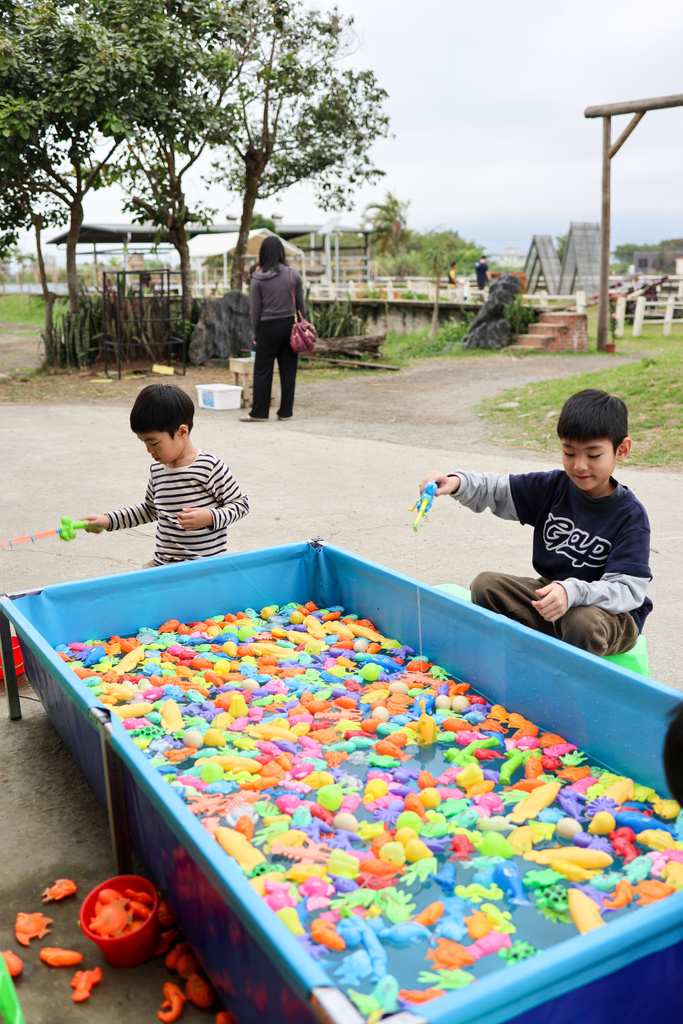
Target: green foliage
<point>76,337</point>
<point>518,317</point>
<point>623,254</point>
<point>259,221</point>
<point>401,348</point>
<point>66,78</point>
<point>417,257</point>
<point>335,320</point>
<point>389,221</point>
<point>561,245</point>
<point>300,113</point>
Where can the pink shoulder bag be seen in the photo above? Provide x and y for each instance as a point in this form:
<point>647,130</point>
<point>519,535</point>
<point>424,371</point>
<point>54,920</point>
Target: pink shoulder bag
<point>304,334</point>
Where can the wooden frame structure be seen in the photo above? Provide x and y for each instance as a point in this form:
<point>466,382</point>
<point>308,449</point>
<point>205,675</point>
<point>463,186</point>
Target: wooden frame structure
<point>607,111</point>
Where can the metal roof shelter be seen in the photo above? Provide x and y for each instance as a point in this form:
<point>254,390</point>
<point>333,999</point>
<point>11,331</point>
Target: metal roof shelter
<point>542,261</point>
<point>125,234</point>
<point>581,263</point>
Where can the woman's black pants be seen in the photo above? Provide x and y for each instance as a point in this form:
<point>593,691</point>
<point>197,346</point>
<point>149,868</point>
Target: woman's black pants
<point>272,342</point>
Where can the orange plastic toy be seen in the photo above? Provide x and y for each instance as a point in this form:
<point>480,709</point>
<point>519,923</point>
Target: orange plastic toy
<point>31,926</point>
<point>172,1006</point>
<point>14,963</point>
<point>118,913</point>
<point>62,887</point>
<point>56,957</point>
<point>324,932</point>
<point>198,991</point>
<point>82,983</point>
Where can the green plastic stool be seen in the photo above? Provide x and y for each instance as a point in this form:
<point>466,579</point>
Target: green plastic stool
<point>9,1004</point>
<point>636,660</point>
<point>453,588</point>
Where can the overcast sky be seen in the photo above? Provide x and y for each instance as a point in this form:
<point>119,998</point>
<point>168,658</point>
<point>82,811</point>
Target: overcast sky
<point>486,103</point>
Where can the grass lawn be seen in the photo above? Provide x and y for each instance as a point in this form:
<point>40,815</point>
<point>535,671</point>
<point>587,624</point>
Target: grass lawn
<point>651,386</point>
<point>11,310</point>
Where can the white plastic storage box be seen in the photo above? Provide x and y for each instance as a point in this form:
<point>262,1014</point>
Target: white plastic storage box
<point>219,396</point>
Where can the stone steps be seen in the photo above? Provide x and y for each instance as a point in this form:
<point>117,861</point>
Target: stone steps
<point>555,332</point>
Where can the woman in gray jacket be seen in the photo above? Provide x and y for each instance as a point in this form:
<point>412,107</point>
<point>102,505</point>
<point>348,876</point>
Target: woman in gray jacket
<point>275,289</point>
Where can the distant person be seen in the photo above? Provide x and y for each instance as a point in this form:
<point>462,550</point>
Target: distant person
<point>452,271</point>
<point>591,540</point>
<point>481,268</point>
<point>276,290</point>
<point>192,496</point>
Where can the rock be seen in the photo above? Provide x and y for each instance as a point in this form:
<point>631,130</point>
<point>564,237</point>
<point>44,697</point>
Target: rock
<point>489,328</point>
<point>223,329</point>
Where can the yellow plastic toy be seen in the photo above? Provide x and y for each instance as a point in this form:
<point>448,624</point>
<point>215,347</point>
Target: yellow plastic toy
<point>239,847</point>
<point>540,798</point>
<point>585,913</point>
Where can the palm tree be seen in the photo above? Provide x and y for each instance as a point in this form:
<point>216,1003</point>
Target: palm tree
<point>389,224</point>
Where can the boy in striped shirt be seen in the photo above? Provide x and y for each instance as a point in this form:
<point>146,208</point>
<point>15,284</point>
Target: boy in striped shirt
<point>192,495</point>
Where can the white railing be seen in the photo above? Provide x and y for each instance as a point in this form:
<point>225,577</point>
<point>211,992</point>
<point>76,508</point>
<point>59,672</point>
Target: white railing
<point>648,309</point>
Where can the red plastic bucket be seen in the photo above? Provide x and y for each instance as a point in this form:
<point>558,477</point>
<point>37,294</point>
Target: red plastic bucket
<point>126,950</point>
<point>18,658</point>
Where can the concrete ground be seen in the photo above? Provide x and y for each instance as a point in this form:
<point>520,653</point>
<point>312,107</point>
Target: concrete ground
<point>345,469</point>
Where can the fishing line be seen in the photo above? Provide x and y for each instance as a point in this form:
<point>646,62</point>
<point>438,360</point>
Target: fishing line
<point>419,609</point>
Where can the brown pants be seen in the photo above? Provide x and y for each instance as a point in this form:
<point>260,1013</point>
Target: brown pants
<point>585,626</point>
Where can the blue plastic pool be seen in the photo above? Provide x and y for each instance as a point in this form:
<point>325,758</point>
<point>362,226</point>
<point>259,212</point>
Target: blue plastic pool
<point>626,972</point>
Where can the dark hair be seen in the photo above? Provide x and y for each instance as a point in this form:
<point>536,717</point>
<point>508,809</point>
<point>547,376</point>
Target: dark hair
<point>161,407</point>
<point>589,415</point>
<point>271,253</point>
<point>673,754</point>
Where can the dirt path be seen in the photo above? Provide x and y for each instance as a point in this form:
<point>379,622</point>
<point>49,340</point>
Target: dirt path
<point>430,404</point>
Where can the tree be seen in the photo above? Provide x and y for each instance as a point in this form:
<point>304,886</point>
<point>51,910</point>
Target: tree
<point>561,242</point>
<point>438,255</point>
<point>389,223</point>
<point>66,77</point>
<point>184,108</point>
<point>298,115</point>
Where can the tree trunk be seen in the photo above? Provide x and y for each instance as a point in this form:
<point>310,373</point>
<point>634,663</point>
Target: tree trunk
<point>48,296</point>
<point>435,315</point>
<point>179,238</point>
<point>250,192</point>
<point>72,238</point>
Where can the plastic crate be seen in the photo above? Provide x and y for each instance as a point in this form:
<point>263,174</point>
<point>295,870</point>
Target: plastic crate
<point>219,396</point>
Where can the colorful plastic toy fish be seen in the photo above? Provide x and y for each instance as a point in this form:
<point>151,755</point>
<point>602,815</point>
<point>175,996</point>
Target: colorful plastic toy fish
<point>31,926</point>
<point>62,888</point>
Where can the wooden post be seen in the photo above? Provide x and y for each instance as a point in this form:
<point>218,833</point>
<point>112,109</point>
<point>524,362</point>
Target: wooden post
<point>639,316</point>
<point>580,301</point>
<point>621,316</point>
<point>606,112</point>
<point>603,299</point>
<point>668,316</point>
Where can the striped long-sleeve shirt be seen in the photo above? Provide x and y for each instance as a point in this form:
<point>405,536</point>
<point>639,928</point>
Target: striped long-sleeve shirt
<point>206,483</point>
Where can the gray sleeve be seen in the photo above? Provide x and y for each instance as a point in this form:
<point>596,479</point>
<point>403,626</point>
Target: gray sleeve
<point>479,491</point>
<point>614,593</point>
<point>299,293</point>
<point>255,302</point>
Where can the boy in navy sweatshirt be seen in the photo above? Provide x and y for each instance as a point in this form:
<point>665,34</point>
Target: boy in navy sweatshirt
<point>591,534</point>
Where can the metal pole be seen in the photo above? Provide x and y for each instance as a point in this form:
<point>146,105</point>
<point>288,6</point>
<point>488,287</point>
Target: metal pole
<point>603,300</point>
<point>9,670</point>
<point>117,810</point>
